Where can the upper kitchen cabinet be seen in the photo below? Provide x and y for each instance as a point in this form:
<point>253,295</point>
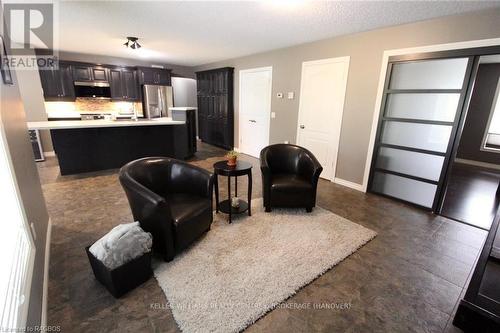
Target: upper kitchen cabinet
<point>152,75</point>
<point>90,73</point>
<point>57,83</point>
<point>123,84</point>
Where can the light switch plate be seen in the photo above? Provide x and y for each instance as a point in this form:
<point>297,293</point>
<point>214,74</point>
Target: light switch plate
<point>291,95</point>
<point>279,95</point>
<point>273,115</point>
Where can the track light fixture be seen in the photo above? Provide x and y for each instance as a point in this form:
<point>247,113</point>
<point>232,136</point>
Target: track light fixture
<point>132,43</point>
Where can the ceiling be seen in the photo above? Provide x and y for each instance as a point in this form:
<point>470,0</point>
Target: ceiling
<point>195,33</point>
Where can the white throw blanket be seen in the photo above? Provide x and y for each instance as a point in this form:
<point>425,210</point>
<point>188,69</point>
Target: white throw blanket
<point>122,244</point>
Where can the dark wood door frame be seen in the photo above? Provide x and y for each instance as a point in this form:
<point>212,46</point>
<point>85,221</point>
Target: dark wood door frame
<point>462,115</point>
<point>457,125</point>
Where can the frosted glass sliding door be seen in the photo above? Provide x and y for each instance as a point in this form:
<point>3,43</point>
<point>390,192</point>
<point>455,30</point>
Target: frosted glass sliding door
<point>420,112</point>
<point>429,74</point>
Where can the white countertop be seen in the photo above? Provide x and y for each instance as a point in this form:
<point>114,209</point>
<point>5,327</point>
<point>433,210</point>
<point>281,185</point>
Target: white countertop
<point>181,108</point>
<point>78,115</point>
<point>66,124</point>
<point>61,114</point>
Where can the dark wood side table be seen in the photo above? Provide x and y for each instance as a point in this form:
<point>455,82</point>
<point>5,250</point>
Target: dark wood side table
<point>240,169</point>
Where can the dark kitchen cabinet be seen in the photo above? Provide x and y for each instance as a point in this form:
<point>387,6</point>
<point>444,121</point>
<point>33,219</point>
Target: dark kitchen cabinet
<point>130,85</point>
<point>57,83</point>
<point>82,73</point>
<point>123,84</point>
<point>151,75</point>
<point>185,135</point>
<point>215,107</point>
<point>87,73</point>
<point>50,82</point>
<point>99,74</point>
<point>115,84</point>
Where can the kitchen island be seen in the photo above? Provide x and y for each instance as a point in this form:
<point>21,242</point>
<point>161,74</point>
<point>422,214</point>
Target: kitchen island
<point>93,145</point>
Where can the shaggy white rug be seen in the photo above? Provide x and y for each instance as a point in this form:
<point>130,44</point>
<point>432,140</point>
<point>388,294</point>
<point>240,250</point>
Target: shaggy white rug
<point>237,272</point>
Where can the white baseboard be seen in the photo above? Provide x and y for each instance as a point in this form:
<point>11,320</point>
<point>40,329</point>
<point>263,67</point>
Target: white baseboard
<point>354,186</point>
<point>45,296</point>
<point>478,163</point>
<point>49,153</point>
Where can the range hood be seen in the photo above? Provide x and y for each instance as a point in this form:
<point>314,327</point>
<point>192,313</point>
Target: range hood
<point>92,89</point>
<point>91,84</point>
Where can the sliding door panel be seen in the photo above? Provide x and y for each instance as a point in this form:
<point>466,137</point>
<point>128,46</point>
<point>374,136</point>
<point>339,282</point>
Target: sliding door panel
<point>414,191</point>
<point>413,135</point>
<point>423,106</point>
<point>420,112</point>
<point>410,163</point>
<point>429,74</point>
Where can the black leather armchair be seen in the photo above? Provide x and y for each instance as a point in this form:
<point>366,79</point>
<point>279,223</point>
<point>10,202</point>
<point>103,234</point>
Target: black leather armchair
<point>289,176</point>
<point>171,199</point>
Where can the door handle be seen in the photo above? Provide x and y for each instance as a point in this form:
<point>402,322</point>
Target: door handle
<point>252,121</point>
<point>302,126</point>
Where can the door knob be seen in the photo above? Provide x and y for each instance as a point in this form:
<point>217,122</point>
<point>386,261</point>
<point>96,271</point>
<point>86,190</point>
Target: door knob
<point>302,126</point>
<point>252,121</point>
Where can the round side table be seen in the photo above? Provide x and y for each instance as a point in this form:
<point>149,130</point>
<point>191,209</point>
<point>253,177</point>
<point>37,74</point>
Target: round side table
<point>240,169</point>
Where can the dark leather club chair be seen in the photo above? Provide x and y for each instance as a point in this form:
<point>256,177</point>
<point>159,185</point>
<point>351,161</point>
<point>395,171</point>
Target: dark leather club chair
<point>289,176</point>
<point>171,199</point>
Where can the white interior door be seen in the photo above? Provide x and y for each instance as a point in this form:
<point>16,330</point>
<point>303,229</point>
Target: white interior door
<point>322,93</point>
<point>254,109</point>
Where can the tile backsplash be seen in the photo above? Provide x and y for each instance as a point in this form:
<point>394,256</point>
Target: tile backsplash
<point>92,105</point>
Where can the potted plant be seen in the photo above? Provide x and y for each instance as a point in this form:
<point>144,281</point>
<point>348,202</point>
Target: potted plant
<point>231,158</point>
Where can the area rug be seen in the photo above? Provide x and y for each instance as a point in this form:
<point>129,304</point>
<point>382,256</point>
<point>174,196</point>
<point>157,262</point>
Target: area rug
<point>238,272</point>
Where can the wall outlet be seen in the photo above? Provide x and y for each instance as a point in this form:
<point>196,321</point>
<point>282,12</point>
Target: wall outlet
<point>279,95</point>
<point>286,142</point>
<point>291,95</point>
<point>273,115</point>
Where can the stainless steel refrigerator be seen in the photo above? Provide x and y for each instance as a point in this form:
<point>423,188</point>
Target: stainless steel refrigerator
<point>157,100</point>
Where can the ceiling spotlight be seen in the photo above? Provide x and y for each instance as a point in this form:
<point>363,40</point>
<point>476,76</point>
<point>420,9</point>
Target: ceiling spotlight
<point>132,43</point>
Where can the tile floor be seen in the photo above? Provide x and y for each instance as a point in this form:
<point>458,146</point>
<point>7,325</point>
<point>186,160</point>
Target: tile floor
<point>408,279</point>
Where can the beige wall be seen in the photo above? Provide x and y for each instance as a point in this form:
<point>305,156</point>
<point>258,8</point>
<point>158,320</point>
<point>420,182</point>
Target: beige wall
<point>366,51</point>
<point>13,121</point>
